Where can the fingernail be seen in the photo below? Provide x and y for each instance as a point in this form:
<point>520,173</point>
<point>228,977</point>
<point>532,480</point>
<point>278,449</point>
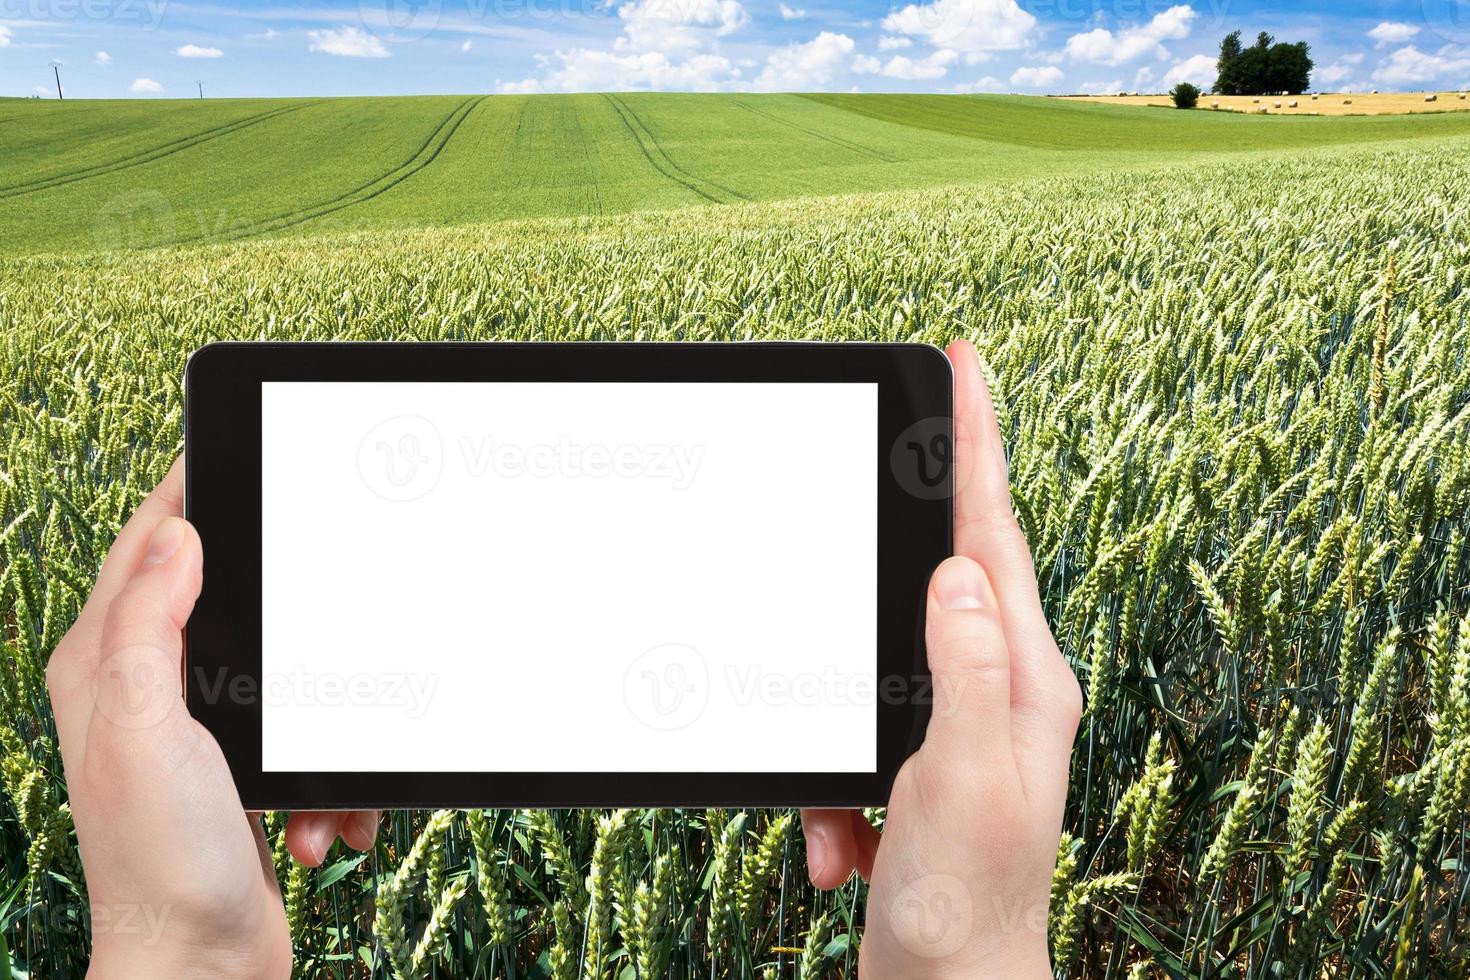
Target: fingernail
<point>816,850</point>
<point>958,584</point>
<point>165,541</point>
<point>323,833</point>
<point>367,824</point>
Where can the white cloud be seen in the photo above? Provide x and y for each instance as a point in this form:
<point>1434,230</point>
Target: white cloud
<point>1200,70</point>
<point>665,44</point>
<point>146,85</point>
<point>269,34</point>
<point>865,65</point>
<point>965,25</point>
<point>921,69</point>
<point>1048,76</point>
<point>791,13</point>
<point>467,46</point>
<point>678,26</point>
<point>804,66</point>
<point>529,86</point>
<point>891,42</point>
<point>5,35</point>
<point>195,51</point>
<point>987,84</point>
<point>1103,46</point>
<point>1409,65</point>
<point>102,58</point>
<point>1142,78</point>
<point>1101,88</point>
<point>1339,71</point>
<point>1392,32</point>
<point>347,42</point>
<point>588,70</point>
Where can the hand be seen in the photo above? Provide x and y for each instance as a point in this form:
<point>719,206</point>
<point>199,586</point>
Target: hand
<point>961,877</point>
<point>179,876</point>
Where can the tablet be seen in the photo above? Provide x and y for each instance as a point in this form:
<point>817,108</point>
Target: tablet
<point>565,574</point>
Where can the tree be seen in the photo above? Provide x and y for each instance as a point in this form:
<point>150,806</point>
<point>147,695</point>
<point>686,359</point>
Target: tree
<point>1227,81</point>
<point>1185,95</point>
<point>1266,67</point>
<point>1254,67</point>
<point>1290,68</point>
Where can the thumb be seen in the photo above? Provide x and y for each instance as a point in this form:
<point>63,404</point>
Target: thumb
<point>139,675</point>
<point>968,660</point>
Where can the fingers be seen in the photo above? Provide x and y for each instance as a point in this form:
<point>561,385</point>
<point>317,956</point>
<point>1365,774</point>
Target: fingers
<point>359,829</point>
<point>130,705</point>
<point>969,661</point>
<point>838,842</point>
<point>153,606</point>
<point>865,838</point>
<point>1045,698</point>
<point>985,526</point>
<point>310,834</point>
<point>126,554</point>
<point>831,851</point>
<point>71,670</point>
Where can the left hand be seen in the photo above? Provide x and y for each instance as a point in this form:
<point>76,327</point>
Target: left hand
<point>179,876</point>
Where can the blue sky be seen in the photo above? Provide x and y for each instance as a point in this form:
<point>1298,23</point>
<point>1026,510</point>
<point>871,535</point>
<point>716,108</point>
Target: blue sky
<point>161,48</point>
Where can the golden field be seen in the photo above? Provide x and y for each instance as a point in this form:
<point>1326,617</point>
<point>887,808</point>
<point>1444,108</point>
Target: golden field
<point>1325,104</point>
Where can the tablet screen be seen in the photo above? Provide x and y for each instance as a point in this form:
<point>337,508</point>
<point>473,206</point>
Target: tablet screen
<point>569,577</point>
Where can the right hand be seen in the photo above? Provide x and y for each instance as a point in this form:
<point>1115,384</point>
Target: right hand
<point>961,875</point>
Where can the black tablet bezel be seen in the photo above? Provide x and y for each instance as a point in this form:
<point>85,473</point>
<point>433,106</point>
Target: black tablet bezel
<point>222,434</point>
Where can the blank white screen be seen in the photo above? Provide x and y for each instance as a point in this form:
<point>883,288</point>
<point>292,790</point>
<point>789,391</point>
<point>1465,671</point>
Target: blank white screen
<point>541,577</point>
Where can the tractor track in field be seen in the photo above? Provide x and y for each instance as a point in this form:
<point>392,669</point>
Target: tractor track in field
<point>826,138</point>
<point>147,156</point>
<point>661,161</point>
<point>589,160</point>
<point>427,153</point>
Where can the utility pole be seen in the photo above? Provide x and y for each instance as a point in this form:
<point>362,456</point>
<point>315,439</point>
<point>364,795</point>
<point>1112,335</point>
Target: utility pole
<point>56,70</point>
<point>201,89</point>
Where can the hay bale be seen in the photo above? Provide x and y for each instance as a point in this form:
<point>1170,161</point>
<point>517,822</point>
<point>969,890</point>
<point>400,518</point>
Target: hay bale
<point>1431,98</point>
<point>1291,104</point>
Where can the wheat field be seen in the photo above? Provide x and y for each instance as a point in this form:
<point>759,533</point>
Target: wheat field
<point>1238,414</point>
<point>1319,103</point>
<point>85,175</point>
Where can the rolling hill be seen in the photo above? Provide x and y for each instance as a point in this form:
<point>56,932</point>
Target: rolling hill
<point>83,176</point>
